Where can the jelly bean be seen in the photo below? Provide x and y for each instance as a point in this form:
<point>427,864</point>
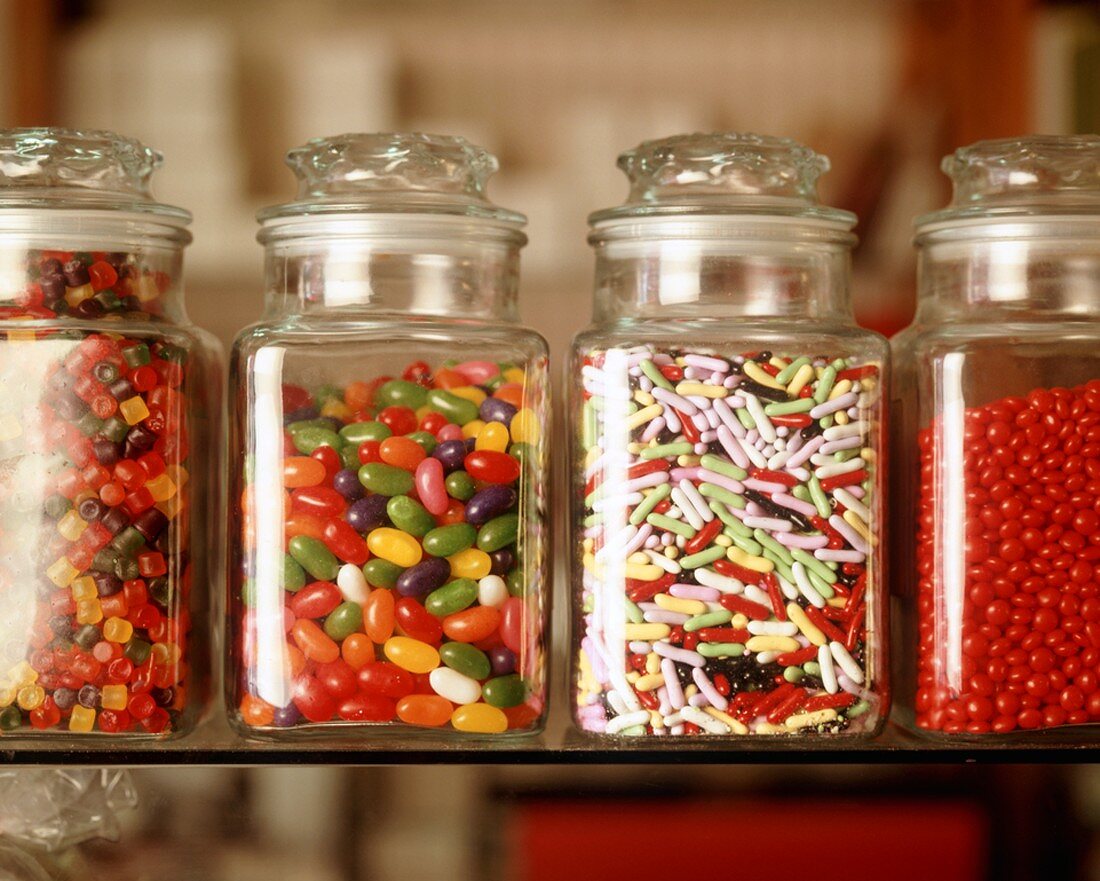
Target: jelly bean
<point>368,513</point>
<point>398,392</point>
<point>318,501</point>
<point>386,679</point>
<point>315,600</point>
<point>423,578</point>
<point>314,557</point>
<point>489,503</point>
<point>502,660</point>
<point>345,542</point>
<point>310,438</point>
<point>430,485</point>
<point>492,591</point>
<point>362,432</point>
<point>479,719</point>
<point>415,621</point>
<point>424,710</point>
<point>452,597</point>
<point>401,420</point>
<point>453,686</point>
<point>367,708</point>
<point>505,691</point>
<point>458,410</point>
<point>294,576</point>
<point>511,624</point>
<point>385,479</point>
<point>378,616</point>
<point>352,583</point>
<point>357,650</point>
<point>498,532</point>
<point>525,427</point>
<point>409,516</point>
<point>494,436</point>
<point>401,452</point>
<point>450,454</point>
<point>314,643</point>
<point>489,466</point>
<point>346,482</point>
<point>470,563</point>
<point>312,700</point>
<point>446,541</point>
<point>300,471</point>
<point>411,654</point>
<point>337,678</point>
<point>496,410</point>
<point>344,620</point>
<point>459,485</point>
<point>398,547</point>
<point>382,573</point>
<point>472,625</point>
<point>466,659</point>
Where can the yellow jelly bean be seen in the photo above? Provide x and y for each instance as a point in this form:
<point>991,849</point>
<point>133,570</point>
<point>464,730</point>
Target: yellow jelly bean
<point>177,474</point>
<point>114,697</point>
<point>411,654</point>
<point>398,547</point>
<point>472,428</point>
<point>525,427</point>
<point>514,375</point>
<point>62,572</point>
<point>82,719</point>
<point>161,488</point>
<point>7,697</point>
<point>170,508</point>
<point>470,563</point>
<point>71,525</point>
<point>83,589</point>
<point>117,630</point>
<point>88,612</point>
<point>133,410</point>
<point>494,436</point>
<point>469,393</point>
<point>30,696</point>
<point>479,719</point>
<point>339,409</point>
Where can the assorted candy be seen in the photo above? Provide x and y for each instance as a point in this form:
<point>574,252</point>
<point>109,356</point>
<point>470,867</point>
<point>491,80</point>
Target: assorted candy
<point>729,544</point>
<point>408,589</point>
<point>1009,590</point>
<point>94,547</point>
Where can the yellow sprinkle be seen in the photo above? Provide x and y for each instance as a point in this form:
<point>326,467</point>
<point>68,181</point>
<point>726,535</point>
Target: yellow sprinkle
<point>805,625</point>
<point>687,461</point>
<point>723,541</point>
<point>841,388</point>
<point>841,417</point>
<point>633,676</point>
<point>701,389</point>
<point>652,663</point>
<point>588,544</point>
<point>802,376</point>
<point>837,602</point>
<point>672,552</point>
<point>646,414</point>
<point>646,572</point>
<point>772,644</point>
<point>778,363</point>
<point>649,682</point>
<point>646,632</point>
<point>656,720</point>
<point>635,448</point>
<point>756,564</point>
<point>736,725</point>
<point>757,374</point>
<point>644,398</point>
<point>591,456</point>
<point>805,720</point>
<point>868,455</point>
<point>859,526</point>
<point>691,691</point>
<point>676,604</point>
<point>739,621</point>
<point>638,557</point>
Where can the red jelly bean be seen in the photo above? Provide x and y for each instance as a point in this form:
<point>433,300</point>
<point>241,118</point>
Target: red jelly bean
<point>490,466</point>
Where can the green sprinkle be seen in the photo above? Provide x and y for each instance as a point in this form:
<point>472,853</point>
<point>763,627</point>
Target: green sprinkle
<point>812,668</point>
<point>827,421</point>
<point>825,384</point>
<point>677,526</point>
<point>721,494</point>
<point>784,408</point>
<point>708,555</point>
<point>590,431</point>
<point>817,495</point>
<point>772,545</point>
<point>748,545</point>
<point>855,710</point>
<point>613,405</point>
<point>846,455</point>
<point>720,649</point>
<point>633,731</point>
<point>646,505</point>
<point>793,674</point>
<point>787,373</point>
<point>721,466</point>
<point>596,519</point>
<point>633,614</point>
<point>821,586</point>
<point>709,619</point>
<point>744,418</point>
<point>650,369</point>
<point>664,450</point>
<point>813,564</point>
<point>733,525</point>
<point>801,493</point>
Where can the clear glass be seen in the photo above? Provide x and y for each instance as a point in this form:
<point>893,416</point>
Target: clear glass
<point>997,419</point>
<point>108,429</point>
<point>727,556</point>
<point>391,566</point>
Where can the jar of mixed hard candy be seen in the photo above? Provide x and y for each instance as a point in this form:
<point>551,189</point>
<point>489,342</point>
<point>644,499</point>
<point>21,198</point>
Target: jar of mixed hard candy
<point>998,437</point>
<point>727,457</point>
<point>108,420</point>
<point>390,473</point>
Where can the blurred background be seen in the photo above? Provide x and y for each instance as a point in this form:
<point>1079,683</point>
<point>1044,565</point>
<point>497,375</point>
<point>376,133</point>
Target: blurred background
<point>557,90</point>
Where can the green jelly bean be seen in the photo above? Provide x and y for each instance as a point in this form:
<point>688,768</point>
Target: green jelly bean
<point>401,393</point>
<point>309,439</point>
<point>521,452</point>
<point>707,555</point>
<point>793,674</point>
<point>385,479</point>
<point>409,516</point>
<point>381,573</point>
<point>498,533</point>
<point>671,525</point>
<point>465,659</point>
<point>514,581</point>
<point>137,650</point>
<point>444,541</point>
<point>454,596</point>
<point>303,424</point>
<point>708,619</point>
<point>504,691</point>
<point>656,377</point>
<point>294,576</point>
<point>646,505</point>
<point>358,432</point>
<point>326,393</point>
<point>720,466</point>
<point>460,486</point>
<point>314,557</point>
<point>344,620</point>
<point>662,450</point>
<point>426,440</point>
<point>456,409</point>
<point>720,649</point>
<point>349,456</point>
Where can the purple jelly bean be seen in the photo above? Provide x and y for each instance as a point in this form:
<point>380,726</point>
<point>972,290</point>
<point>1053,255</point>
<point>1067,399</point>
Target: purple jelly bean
<point>451,454</point>
<point>424,577</point>
<point>286,716</point>
<point>496,410</point>
<point>346,482</point>
<point>301,414</point>
<point>502,562</point>
<point>503,660</point>
<point>488,503</point>
<point>367,513</point>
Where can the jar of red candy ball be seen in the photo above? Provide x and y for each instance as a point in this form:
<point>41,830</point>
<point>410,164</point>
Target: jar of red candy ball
<point>727,458</point>
<point>998,386</point>
<point>390,460</point>
<point>107,422</point>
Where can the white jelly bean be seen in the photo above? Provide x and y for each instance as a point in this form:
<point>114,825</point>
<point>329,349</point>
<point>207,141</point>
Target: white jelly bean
<point>492,591</point>
<point>352,584</point>
<point>454,686</point>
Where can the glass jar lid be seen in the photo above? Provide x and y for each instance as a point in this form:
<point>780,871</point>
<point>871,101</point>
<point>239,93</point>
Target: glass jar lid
<point>393,173</point>
<point>1012,178</point>
<point>724,173</point>
<point>59,168</point>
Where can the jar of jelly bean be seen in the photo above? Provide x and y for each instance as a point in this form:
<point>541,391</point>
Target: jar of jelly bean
<point>389,476</point>
<point>998,442</point>
<point>108,425</point>
<point>727,555</point>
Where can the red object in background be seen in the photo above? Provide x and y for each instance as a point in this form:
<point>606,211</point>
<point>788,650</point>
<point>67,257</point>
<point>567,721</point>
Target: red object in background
<point>610,839</point>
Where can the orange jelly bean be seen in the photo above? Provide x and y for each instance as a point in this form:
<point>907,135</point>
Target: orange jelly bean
<point>256,712</point>
<point>472,625</point>
<point>299,471</point>
<point>315,644</point>
<point>425,710</point>
<point>378,616</point>
<point>305,524</point>
<point>512,392</point>
<point>358,650</point>
<point>401,452</point>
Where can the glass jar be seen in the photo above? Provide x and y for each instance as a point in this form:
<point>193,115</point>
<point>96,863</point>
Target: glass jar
<point>390,469</point>
<point>108,424</point>
<point>998,437</point>
<point>727,559</point>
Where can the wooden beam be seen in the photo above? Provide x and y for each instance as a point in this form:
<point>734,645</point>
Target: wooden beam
<point>32,54</point>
